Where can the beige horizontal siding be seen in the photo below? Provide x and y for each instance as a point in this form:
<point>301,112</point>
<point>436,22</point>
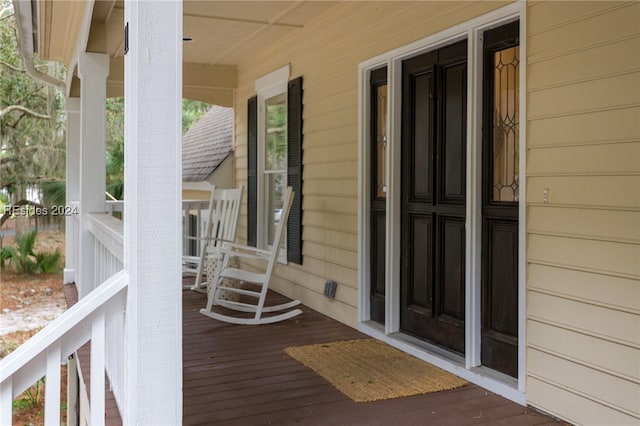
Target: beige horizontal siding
<point>315,283</point>
<point>583,244</point>
<point>599,321</point>
<point>594,95</point>
<point>331,221</point>
<point>601,159</point>
<point>595,63</point>
<point>193,194</point>
<point>323,153</point>
<point>612,192</point>
<point>600,385</point>
<point>332,255</point>
<point>609,257</point>
<point>606,23</point>
<point>558,401</point>
<point>589,350</point>
<point>612,225</point>
<point>586,128</point>
<point>334,239</point>
<point>584,286</point>
<point>331,137</point>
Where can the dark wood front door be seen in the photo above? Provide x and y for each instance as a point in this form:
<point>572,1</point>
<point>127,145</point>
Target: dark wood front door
<point>433,173</point>
<point>500,195</point>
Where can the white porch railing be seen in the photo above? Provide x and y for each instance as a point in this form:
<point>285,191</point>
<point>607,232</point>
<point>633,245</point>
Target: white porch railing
<point>72,237</point>
<point>193,221</point>
<point>193,225</point>
<point>115,208</point>
<point>107,232</point>
<point>108,255</point>
<point>98,317</point>
<point>43,354</point>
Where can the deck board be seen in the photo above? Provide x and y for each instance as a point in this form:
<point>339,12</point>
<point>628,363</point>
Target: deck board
<point>240,375</point>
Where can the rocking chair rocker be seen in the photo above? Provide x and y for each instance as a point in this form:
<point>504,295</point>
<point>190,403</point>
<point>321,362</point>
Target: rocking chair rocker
<point>224,271</point>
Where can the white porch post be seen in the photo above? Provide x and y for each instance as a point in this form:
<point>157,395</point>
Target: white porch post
<point>72,108</point>
<point>93,69</point>
<point>152,245</point>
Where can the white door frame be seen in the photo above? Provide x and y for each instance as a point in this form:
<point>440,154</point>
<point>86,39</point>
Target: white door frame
<point>467,367</point>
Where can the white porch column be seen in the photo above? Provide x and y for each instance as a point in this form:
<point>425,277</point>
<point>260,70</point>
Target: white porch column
<point>93,69</point>
<point>72,108</point>
<point>152,245</point>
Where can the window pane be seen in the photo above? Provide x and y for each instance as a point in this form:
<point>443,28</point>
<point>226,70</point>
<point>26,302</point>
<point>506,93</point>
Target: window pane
<point>381,140</point>
<point>276,126</point>
<point>275,185</point>
<point>506,129</point>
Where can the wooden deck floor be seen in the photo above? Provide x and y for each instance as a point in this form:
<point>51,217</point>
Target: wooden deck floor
<point>240,375</point>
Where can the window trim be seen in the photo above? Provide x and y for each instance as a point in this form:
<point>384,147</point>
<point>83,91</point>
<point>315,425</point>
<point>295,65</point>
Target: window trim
<point>295,136</point>
<point>273,84</point>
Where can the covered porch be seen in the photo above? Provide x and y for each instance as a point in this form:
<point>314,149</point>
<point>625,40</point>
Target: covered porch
<point>566,320</point>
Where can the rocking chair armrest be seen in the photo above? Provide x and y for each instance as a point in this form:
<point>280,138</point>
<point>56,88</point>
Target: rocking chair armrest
<point>192,238</point>
<point>240,250</point>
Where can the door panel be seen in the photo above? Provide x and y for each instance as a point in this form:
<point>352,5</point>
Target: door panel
<point>433,196</point>
<point>422,117</point>
<point>452,257</point>
<point>455,144</point>
<point>500,196</point>
<point>420,296</point>
<point>502,300</point>
<point>377,292</point>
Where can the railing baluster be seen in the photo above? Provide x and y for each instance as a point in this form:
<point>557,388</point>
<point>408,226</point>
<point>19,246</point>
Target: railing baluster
<point>97,368</point>
<point>6,402</point>
<point>52,386</point>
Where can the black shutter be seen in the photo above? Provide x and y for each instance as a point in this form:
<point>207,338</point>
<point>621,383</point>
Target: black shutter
<point>294,171</point>
<point>252,170</point>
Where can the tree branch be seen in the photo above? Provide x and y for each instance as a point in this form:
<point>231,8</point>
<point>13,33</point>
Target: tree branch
<point>11,108</point>
<point>4,185</point>
<point>20,203</point>
<point>15,124</point>
<point>17,69</point>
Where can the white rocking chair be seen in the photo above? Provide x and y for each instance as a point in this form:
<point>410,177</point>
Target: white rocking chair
<point>221,226</point>
<point>219,285</point>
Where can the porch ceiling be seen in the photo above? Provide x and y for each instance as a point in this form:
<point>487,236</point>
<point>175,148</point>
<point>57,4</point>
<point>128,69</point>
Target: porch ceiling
<point>223,32</point>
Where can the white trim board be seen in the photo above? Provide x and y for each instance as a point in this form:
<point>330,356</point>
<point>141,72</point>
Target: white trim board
<point>274,78</point>
<point>273,84</point>
<point>468,366</point>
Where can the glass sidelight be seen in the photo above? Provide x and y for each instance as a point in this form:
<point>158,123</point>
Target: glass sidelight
<point>506,101</point>
<point>378,194</point>
<point>380,137</point>
<point>500,207</point>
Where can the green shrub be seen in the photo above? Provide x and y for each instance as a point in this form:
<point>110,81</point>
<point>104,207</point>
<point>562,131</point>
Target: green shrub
<point>5,255</point>
<point>48,262</point>
<point>23,258</point>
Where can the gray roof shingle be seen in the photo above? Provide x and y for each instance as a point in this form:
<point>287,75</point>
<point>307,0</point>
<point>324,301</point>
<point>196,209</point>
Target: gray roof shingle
<point>207,144</point>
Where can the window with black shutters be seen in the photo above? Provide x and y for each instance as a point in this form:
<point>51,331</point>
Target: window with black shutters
<point>275,162</point>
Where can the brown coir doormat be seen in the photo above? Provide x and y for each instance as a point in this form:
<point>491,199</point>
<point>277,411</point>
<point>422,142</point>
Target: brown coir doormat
<point>369,370</point>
